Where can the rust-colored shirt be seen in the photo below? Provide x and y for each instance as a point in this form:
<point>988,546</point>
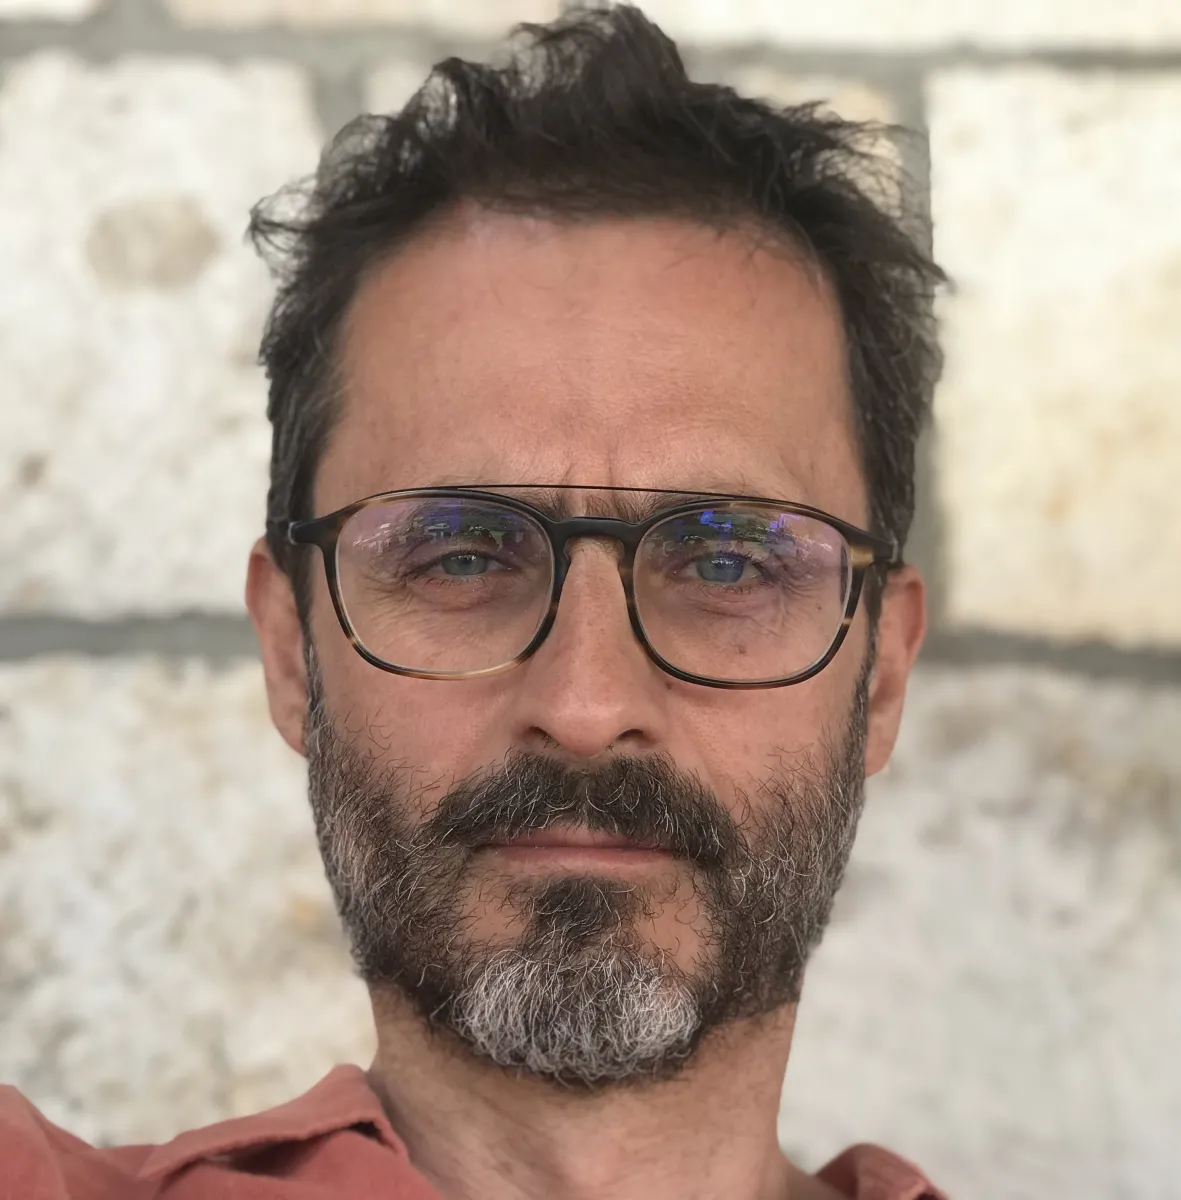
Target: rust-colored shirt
<point>332,1143</point>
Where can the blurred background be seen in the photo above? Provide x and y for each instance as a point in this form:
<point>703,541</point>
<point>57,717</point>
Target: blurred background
<point>999,996</point>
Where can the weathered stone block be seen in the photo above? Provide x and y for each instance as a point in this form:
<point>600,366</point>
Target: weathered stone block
<point>997,995</point>
<point>53,9</point>
<point>903,24</point>
<point>478,17</point>
<point>1055,201</point>
<point>133,439</point>
<point>171,951</point>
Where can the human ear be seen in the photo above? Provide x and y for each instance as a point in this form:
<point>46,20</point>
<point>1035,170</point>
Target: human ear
<point>270,600</point>
<point>902,624</point>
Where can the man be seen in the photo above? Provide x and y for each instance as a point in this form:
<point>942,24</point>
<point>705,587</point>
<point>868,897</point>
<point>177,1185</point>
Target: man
<point>595,395</point>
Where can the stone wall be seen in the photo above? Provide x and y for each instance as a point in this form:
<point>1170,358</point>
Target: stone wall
<point>998,995</point>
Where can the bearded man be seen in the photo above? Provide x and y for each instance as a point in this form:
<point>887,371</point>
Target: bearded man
<point>595,394</point>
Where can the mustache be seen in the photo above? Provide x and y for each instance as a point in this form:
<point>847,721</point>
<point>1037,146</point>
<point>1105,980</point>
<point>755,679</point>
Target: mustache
<point>645,799</point>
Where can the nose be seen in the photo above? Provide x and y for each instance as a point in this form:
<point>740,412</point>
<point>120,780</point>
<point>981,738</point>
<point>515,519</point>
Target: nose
<point>590,690</point>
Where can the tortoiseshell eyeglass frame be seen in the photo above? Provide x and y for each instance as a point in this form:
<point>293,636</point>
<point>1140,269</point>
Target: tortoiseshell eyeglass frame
<point>866,550</point>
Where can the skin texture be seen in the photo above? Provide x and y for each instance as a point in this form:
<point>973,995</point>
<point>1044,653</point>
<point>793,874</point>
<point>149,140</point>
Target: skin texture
<point>646,353</point>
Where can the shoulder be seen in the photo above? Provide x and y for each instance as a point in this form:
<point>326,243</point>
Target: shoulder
<point>41,1161</point>
<point>869,1172</point>
<point>335,1136</point>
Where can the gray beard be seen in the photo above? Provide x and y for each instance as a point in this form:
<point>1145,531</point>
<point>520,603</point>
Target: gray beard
<point>579,997</point>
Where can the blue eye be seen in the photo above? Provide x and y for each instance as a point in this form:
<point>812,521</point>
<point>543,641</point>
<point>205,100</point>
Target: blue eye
<point>464,564</point>
<point>721,568</point>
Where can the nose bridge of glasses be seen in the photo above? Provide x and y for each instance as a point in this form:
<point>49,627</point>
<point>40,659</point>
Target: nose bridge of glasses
<point>608,532</point>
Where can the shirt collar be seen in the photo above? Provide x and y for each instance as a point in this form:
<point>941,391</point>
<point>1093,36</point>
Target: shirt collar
<point>869,1172</point>
<point>341,1100</point>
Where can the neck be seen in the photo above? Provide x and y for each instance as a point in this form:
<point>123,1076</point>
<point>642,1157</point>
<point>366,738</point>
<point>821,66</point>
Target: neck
<point>475,1130</point>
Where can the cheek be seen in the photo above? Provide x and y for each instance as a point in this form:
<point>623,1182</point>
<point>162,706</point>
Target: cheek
<point>742,737</point>
<point>441,732</point>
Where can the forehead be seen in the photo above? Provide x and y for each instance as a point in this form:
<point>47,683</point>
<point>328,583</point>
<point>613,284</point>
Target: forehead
<point>626,352</point>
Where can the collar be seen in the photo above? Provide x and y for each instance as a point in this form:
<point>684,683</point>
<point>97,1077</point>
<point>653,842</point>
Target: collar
<point>341,1100</point>
<point>869,1172</point>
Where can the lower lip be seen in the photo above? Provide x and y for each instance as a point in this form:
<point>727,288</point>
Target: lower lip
<point>579,858</point>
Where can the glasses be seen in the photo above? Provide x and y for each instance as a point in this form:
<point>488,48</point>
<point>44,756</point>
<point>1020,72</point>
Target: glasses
<point>462,582</point>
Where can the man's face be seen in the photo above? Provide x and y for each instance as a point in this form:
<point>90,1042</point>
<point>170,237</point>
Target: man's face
<point>641,353</point>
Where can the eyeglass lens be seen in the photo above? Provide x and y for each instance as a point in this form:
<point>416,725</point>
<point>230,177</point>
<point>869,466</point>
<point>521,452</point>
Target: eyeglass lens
<point>456,585</point>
